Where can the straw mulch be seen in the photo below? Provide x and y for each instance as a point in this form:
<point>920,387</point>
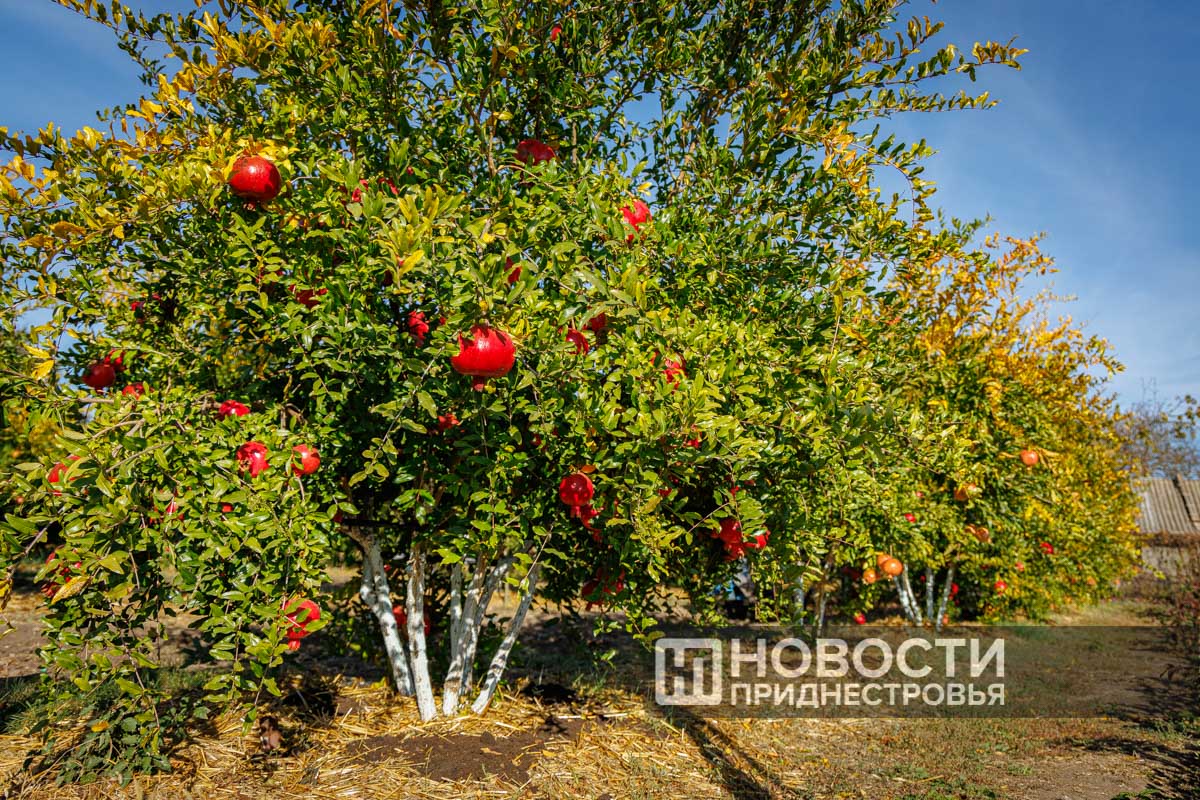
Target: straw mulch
<point>375,746</point>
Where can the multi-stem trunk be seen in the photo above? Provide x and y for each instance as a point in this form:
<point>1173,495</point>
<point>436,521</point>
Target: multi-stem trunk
<point>467,611</point>
<point>947,589</point>
<point>500,659</point>
<point>377,596</point>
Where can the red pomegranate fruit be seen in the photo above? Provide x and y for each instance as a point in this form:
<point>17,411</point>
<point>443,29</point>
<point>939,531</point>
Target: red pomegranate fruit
<point>579,340</point>
<point>532,152</point>
<point>307,297</point>
<point>636,214</point>
<point>252,458</point>
<point>488,353</point>
<point>401,615</point>
<point>418,327</point>
<point>232,408</point>
<point>303,614</point>
<point>306,461</point>
<point>576,490</point>
<point>255,179</point>
<point>99,376</point>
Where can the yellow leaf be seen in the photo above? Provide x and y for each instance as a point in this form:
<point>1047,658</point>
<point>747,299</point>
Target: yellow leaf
<point>413,258</point>
<point>36,352</point>
<point>71,588</point>
<point>64,230</point>
<point>100,726</point>
<point>41,370</point>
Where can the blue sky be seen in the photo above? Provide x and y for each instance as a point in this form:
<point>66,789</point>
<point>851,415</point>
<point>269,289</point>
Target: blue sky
<point>1091,144</point>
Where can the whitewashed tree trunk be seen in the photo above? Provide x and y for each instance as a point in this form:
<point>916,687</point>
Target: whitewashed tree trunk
<point>912,599</point>
<point>494,577</point>
<point>377,595</point>
<point>941,612</point>
<point>500,660</point>
<point>461,636</point>
<point>930,592</point>
<point>454,670</point>
<point>799,596</point>
<point>415,605</point>
<point>902,598</point>
<point>819,622</point>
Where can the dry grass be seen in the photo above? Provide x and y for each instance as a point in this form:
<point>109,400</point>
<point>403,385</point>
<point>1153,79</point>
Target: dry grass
<point>612,743</point>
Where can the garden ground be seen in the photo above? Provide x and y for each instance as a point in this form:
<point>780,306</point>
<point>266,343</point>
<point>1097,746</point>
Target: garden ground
<point>568,728</point>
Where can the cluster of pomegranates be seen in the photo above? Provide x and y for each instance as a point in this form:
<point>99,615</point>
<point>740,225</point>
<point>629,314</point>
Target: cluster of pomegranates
<point>888,565</point>
<point>729,533</point>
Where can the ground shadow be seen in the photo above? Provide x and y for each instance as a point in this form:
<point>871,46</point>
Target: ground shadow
<point>562,659</point>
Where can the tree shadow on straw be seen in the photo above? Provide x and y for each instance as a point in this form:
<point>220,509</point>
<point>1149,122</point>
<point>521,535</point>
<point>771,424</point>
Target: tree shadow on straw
<point>743,776</point>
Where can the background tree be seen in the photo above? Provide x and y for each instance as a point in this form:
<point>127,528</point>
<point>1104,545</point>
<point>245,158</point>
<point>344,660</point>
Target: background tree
<point>1160,436</point>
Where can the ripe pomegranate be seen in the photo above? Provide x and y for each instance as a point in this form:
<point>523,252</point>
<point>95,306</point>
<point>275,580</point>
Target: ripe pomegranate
<point>226,508</point>
<point>860,618</point>
<point>489,353</point>
<point>672,370</point>
<point>446,422</point>
<point>1047,548</point>
<point>964,493</point>
<point>307,297</point>
<point>116,359</point>
<point>1020,565</point>
<point>515,275</point>
<point>760,540</point>
<point>532,152</point>
<point>911,517</point>
<point>401,615</point>
<point>576,491</point>
<point>100,375</point>
<point>303,614</point>
<point>982,534</point>
<point>232,408</point>
<point>953,589</point>
<point>1030,458</point>
<point>554,32</point>
<point>597,323</point>
<point>636,214</point>
<point>306,461</point>
<point>892,567</point>
<point>579,340</point>
<point>252,458</point>
<point>56,473</point>
<point>869,576</point>
<point>134,390</point>
<point>730,535</point>
<point>1000,586</point>
<point>418,327</point>
<point>255,179</point>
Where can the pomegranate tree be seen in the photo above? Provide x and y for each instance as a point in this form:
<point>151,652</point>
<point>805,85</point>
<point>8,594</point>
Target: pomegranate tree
<point>738,361</point>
